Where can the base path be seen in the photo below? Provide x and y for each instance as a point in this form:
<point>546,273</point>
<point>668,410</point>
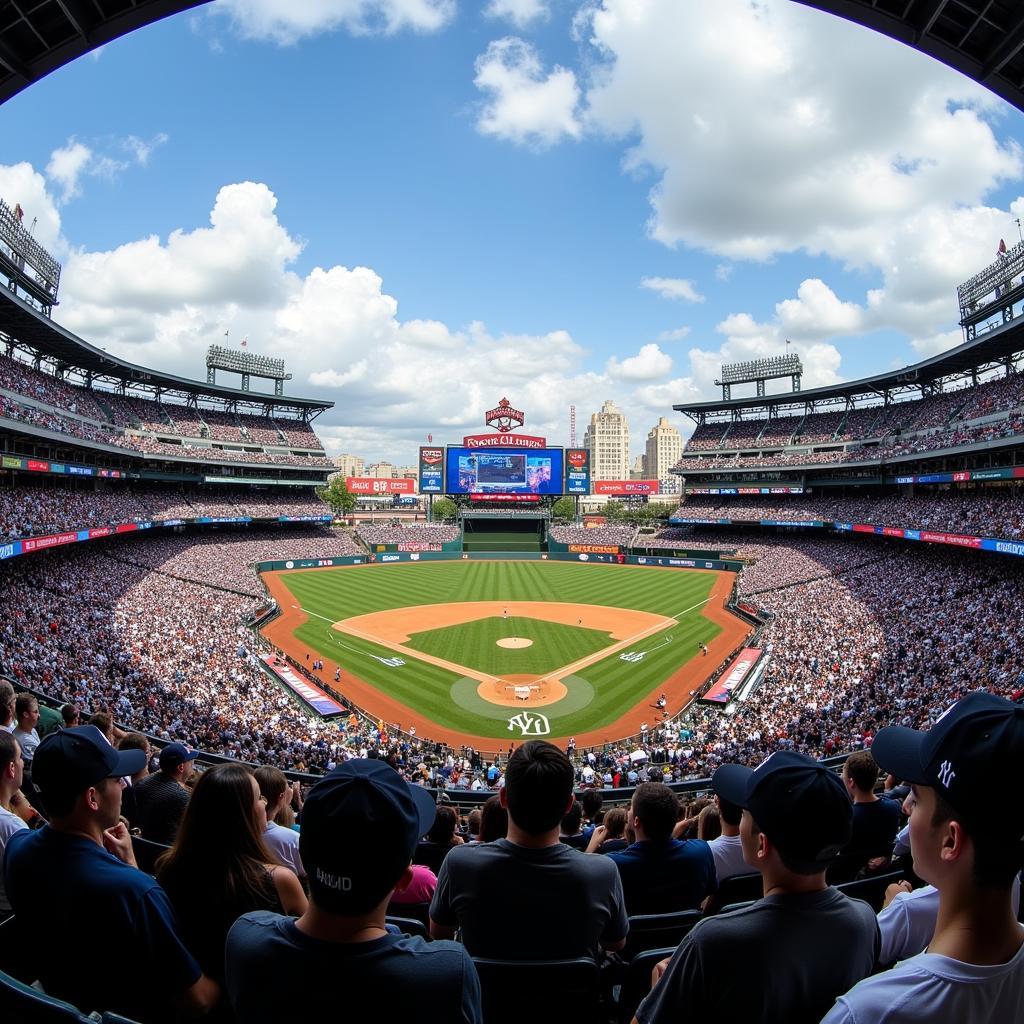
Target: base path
<point>678,688</point>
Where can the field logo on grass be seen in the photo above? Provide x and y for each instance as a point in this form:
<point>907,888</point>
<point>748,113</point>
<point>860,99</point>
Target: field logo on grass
<point>529,724</point>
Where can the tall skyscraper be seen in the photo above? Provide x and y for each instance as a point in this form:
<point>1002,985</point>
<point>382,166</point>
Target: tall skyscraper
<point>607,437</point>
<point>664,446</point>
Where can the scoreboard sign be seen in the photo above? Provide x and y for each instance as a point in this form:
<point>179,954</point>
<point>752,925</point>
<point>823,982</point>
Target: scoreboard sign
<point>382,485</point>
<point>431,471</point>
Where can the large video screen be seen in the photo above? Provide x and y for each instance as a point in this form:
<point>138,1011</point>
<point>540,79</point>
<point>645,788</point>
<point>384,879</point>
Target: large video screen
<point>486,471</point>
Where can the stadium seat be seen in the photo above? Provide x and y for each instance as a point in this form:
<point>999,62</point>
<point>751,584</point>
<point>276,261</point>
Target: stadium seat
<point>514,989</point>
<point>415,911</point>
<point>871,890</point>
<point>730,907</point>
<point>13,958</point>
<point>653,931</point>
<point>738,889</point>
<point>637,982</point>
<point>146,853</point>
<point>27,1005</point>
<point>409,926</point>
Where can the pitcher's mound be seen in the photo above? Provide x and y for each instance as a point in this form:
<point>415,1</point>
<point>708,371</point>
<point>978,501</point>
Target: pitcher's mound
<point>515,642</point>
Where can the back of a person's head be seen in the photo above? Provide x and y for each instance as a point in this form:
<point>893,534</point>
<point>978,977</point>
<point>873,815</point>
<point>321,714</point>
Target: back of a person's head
<point>657,808</point>
<point>104,721</point>
<point>538,784</point>
<point>445,823</point>
<point>572,819</point>
<point>493,820</point>
<point>219,846</point>
<point>731,814</point>
<point>709,824</point>
<point>6,699</point>
<point>862,770</point>
<point>134,741</point>
<point>8,750</point>
<point>70,715</point>
<point>272,782</point>
<point>473,821</point>
<point>592,801</point>
<point>615,822</point>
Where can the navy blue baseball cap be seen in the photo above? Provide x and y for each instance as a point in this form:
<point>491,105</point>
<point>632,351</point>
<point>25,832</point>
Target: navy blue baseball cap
<point>71,760</point>
<point>176,753</point>
<point>971,756</point>
<point>801,806</point>
<point>360,827</point>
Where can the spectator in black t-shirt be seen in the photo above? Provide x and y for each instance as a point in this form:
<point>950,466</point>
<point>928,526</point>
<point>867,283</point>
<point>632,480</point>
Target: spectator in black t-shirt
<point>160,799</point>
<point>875,820</point>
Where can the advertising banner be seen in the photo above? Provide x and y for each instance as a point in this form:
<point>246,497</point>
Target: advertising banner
<point>593,549</point>
<point>10,462</point>
<point>10,550</point>
<point>1004,547</point>
<point>577,471</point>
<point>792,522</point>
<point>480,471</point>
<point>626,486</point>
<point>513,498</point>
<point>305,691</point>
<point>382,485</point>
<point>957,539</point>
<point>52,541</point>
<point>722,690</point>
<point>504,441</point>
<point>431,471</point>
<point>418,546</point>
<point>37,466</point>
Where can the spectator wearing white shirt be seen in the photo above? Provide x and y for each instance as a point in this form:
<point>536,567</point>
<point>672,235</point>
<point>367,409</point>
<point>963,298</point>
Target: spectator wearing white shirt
<point>11,768</point>
<point>966,829</point>
<point>727,848</point>
<point>282,842</point>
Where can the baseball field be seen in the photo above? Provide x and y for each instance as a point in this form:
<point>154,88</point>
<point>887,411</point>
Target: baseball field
<point>491,652</point>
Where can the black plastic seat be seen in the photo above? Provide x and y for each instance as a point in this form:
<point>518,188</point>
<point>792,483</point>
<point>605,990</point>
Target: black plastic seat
<point>738,889</point>
<point>871,890</point>
<point>546,987</point>
<point>657,931</point>
<point>637,981</point>
<point>409,926</point>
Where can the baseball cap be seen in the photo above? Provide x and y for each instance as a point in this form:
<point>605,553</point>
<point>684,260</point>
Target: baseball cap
<point>800,805</point>
<point>360,827</point>
<point>72,760</point>
<point>971,756</point>
<point>176,753</point>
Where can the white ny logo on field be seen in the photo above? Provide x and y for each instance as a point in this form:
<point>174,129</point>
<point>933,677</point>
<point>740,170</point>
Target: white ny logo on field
<point>529,724</point>
<point>946,773</point>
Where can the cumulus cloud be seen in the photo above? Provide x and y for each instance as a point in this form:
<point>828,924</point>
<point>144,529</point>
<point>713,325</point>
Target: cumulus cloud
<point>70,163</point>
<point>649,363</point>
<point>285,22</point>
<point>519,12</point>
<point>672,288</point>
<point>525,105</point>
<point>674,335</point>
<point>22,183</point>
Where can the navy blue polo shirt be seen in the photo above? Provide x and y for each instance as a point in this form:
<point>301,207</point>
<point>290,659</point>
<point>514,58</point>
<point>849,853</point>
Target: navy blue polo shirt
<point>100,934</point>
<point>662,876</point>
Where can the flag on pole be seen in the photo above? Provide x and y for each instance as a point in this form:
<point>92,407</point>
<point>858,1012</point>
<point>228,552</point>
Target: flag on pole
<point>245,341</point>
<point>430,438</point>
<point>1002,248</point>
<point>226,333</point>
<point>18,212</point>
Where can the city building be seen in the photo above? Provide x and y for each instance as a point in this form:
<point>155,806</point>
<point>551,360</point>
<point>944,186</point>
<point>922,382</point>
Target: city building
<point>664,447</point>
<point>607,438</point>
<point>350,465</point>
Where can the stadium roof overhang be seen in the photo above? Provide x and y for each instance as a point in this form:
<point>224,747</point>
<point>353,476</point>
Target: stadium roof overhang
<point>29,329</point>
<point>39,36</point>
<point>982,39</point>
<point>996,346</point>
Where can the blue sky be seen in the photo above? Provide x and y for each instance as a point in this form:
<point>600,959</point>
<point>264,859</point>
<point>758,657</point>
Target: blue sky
<point>508,177</point>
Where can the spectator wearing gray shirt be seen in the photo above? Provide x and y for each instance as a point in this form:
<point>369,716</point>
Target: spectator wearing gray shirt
<point>787,956</point>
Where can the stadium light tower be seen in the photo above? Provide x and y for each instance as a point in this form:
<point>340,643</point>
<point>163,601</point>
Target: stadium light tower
<point>757,371</point>
<point>248,364</point>
<point>26,265</point>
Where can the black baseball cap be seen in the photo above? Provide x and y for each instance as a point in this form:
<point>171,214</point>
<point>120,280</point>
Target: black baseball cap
<point>360,827</point>
<point>176,753</point>
<point>972,756</point>
<point>801,806</point>
<point>71,760</point>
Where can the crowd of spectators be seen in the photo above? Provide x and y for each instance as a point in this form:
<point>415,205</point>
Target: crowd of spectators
<point>990,512</point>
<point>25,380</point>
<point>605,534</point>
<point>38,509</point>
<point>407,533</point>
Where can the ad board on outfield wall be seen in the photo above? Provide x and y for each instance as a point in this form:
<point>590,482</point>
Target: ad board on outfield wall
<point>379,485</point>
<point>577,470</point>
<point>626,486</point>
<point>431,471</point>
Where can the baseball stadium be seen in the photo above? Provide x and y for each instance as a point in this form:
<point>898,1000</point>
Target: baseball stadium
<point>179,576</point>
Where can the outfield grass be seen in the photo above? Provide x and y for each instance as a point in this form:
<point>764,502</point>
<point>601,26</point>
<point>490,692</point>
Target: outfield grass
<point>475,645</point>
<point>328,595</point>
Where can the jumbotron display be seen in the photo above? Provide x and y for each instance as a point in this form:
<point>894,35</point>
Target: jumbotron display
<point>482,471</point>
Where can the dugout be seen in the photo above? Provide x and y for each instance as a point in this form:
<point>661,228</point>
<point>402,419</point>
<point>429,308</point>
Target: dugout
<point>504,530</point>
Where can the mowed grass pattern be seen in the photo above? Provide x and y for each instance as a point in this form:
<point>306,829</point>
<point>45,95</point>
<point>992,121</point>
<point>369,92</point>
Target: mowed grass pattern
<point>328,595</point>
<point>475,645</point>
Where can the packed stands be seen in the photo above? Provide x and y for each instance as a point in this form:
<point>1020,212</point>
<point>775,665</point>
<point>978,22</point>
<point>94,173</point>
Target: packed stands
<point>819,427</point>
<point>43,387</point>
<point>605,534</point>
<point>416,533</point>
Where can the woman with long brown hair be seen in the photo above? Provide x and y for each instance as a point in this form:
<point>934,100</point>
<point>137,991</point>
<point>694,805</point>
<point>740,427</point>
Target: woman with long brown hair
<point>219,868</point>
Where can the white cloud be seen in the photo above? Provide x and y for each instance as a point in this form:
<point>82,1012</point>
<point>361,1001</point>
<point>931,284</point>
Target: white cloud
<point>286,21</point>
<point>142,149</point>
<point>723,271</point>
<point>21,183</point>
<point>817,312</point>
<point>524,104</point>
<point>675,335</point>
<point>519,12</point>
<point>672,288</point>
<point>649,363</point>
<point>66,166</point>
